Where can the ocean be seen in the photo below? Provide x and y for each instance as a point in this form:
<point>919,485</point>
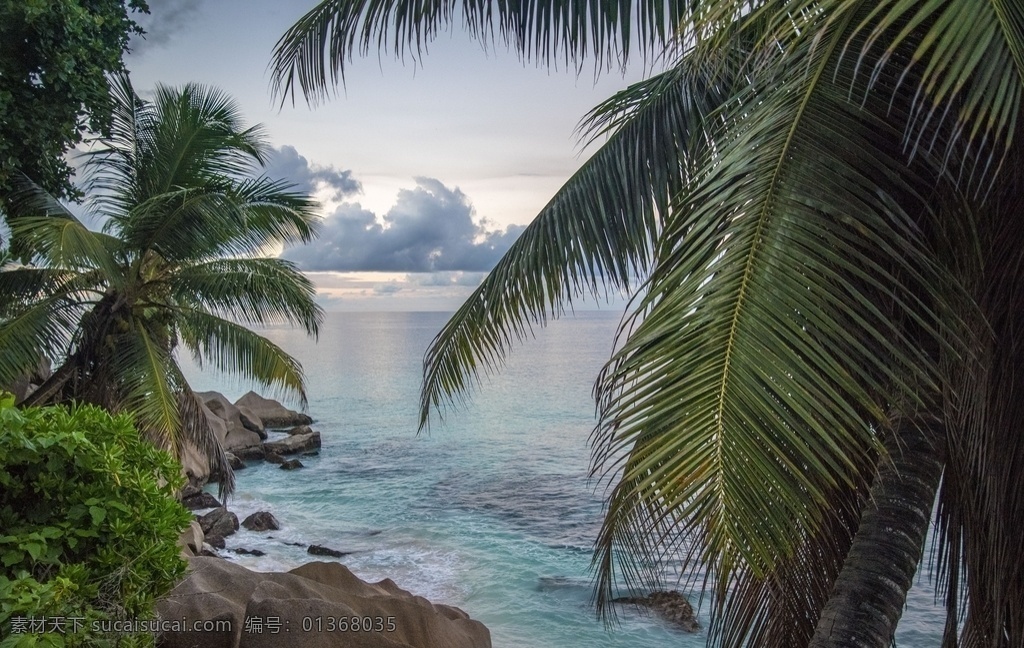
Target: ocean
<point>491,510</point>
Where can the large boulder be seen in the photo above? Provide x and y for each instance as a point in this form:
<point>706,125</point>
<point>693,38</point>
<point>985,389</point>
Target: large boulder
<point>191,539</point>
<point>306,604</point>
<point>250,421</point>
<point>218,523</point>
<point>238,434</point>
<point>293,444</point>
<point>272,413</point>
<point>194,464</point>
<point>261,521</point>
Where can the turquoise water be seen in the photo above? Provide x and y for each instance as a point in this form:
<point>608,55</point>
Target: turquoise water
<point>491,511</point>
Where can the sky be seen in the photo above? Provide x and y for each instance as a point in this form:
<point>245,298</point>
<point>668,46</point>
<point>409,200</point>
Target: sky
<point>426,169</point>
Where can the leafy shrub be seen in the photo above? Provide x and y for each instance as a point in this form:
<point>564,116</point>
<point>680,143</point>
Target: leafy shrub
<point>88,525</point>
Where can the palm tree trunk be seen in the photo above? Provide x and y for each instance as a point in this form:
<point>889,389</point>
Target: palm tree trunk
<point>869,594</point>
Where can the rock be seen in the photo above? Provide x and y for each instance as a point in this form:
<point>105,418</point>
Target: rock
<point>273,457</point>
<point>219,522</point>
<point>311,453</point>
<point>209,550</point>
<point>670,606</point>
<point>294,444</point>
<point>250,552</point>
<point>318,550</point>
<point>272,413</point>
<point>251,453</point>
<point>215,542</point>
<point>200,500</point>
<point>220,590</point>
<point>195,465</point>
<point>291,464</point>
<point>191,539</point>
<point>261,521</point>
<point>234,461</point>
<point>233,435</point>
<point>252,422</point>
<point>300,429</point>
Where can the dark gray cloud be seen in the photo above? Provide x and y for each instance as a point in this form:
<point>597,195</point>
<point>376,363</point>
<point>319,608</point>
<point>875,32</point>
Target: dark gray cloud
<point>430,229</point>
<point>166,19</point>
<point>286,164</point>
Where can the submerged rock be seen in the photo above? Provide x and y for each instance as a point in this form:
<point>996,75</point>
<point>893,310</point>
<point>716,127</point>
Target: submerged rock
<point>318,550</point>
<point>291,464</point>
<point>223,590</point>
<point>670,606</point>
<point>249,552</point>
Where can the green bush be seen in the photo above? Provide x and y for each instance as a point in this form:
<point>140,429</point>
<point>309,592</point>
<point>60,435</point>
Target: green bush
<point>89,526</point>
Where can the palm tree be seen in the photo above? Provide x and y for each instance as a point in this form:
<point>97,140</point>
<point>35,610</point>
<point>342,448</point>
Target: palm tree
<point>179,264</point>
<point>816,204</point>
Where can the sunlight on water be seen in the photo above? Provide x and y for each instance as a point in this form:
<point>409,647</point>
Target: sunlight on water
<point>491,511</point>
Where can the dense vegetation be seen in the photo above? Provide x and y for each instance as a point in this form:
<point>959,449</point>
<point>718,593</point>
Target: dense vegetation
<point>54,60</point>
<point>187,218</point>
<point>821,201</point>
<point>88,523</point>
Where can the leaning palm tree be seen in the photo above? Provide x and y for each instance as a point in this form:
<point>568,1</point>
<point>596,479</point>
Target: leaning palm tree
<point>816,204</point>
<point>180,264</point>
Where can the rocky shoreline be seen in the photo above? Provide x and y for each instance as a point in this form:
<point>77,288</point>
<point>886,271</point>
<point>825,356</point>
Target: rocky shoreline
<point>317,604</point>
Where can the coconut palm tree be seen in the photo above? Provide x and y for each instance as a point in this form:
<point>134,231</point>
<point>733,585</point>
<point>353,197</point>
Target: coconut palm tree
<point>180,265</point>
<point>816,205</point>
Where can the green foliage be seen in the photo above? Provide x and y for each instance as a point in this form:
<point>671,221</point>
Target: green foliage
<point>822,199</point>
<point>54,59</point>
<point>88,520</point>
<point>179,263</point>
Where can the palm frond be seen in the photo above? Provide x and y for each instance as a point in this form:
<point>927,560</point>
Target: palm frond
<point>42,328</point>
<point>253,291</point>
<point>598,230</point>
<point>147,384</point>
<point>235,349</point>
<point>742,409</point>
<point>312,54</point>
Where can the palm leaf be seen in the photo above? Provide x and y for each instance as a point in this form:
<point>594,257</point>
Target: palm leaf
<point>741,411</point>
<point>313,52</point>
<point>233,348</point>
<point>597,230</point>
<point>253,291</point>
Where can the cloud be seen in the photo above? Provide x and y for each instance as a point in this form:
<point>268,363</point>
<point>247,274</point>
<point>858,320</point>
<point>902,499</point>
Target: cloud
<point>165,20</point>
<point>286,164</point>
<point>429,229</point>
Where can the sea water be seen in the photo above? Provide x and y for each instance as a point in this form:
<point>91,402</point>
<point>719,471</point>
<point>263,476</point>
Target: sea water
<point>490,510</point>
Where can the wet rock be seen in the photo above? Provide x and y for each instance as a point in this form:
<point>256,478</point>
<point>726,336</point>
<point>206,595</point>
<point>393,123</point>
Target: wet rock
<point>219,522</point>
<point>200,500</point>
<point>300,429</point>
<point>273,457</point>
<point>670,606</point>
<point>294,444</point>
<point>291,464</point>
<point>250,453</point>
<point>261,521</point>
<point>210,551</point>
<point>250,552</point>
<point>318,550</point>
<point>234,461</point>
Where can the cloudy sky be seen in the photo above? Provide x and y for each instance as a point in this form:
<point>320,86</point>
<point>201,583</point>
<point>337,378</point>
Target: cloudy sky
<point>426,169</point>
